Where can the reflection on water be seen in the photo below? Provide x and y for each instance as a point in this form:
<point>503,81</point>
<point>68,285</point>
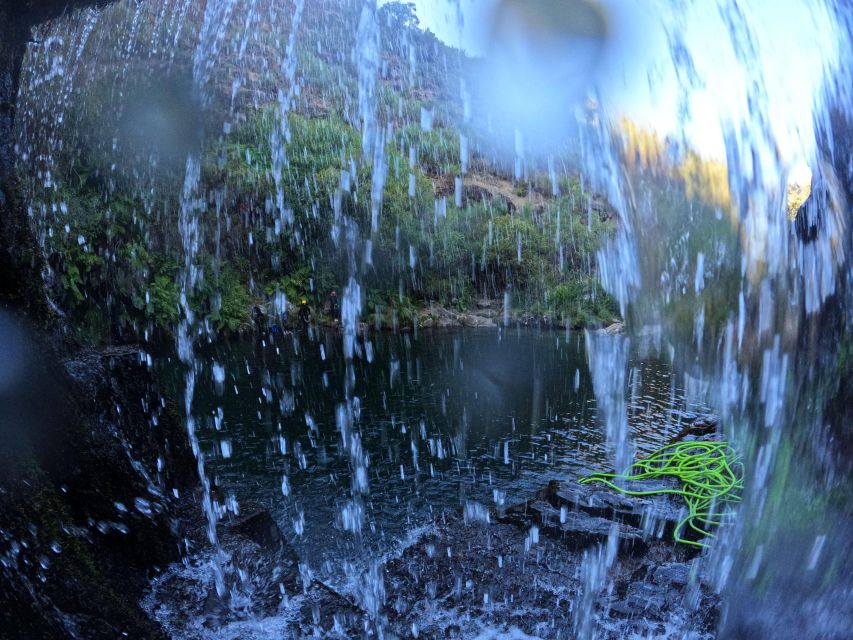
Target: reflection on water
<point>445,417</point>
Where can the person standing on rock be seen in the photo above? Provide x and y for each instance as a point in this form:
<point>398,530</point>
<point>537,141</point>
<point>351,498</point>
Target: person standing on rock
<point>332,308</point>
<point>260,319</point>
<point>304,314</point>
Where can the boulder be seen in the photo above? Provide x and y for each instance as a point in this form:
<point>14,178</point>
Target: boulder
<point>264,579</point>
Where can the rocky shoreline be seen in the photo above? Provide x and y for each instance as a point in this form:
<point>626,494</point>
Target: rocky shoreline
<point>434,315</point>
<point>120,501</point>
<point>520,572</point>
<point>526,570</point>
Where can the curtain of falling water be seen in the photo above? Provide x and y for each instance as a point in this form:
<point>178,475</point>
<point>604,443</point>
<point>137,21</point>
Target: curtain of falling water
<point>771,371</point>
<point>214,30</point>
<point>608,362</point>
<point>192,204</point>
<point>367,56</point>
<point>768,300</point>
<point>228,29</point>
<point>777,374</point>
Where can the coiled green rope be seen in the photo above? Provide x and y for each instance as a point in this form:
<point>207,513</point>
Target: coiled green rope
<point>711,478</point>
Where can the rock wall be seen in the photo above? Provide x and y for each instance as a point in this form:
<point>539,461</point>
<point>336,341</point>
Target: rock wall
<point>88,454</point>
<point>84,510</point>
<point>91,464</point>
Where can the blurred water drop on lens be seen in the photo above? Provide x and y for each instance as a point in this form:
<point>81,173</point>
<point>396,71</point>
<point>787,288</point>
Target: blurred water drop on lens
<point>548,66</point>
<point>541,60</point>
<point>545,43</point>
<point>11,364</point>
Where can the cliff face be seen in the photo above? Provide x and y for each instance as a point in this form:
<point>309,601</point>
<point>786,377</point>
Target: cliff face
<point>21,288</point>
<point>20,263</point>
<point>127,107</point>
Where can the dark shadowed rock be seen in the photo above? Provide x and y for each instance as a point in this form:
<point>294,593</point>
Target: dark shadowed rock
<point>86,496</point>
<point>654,516</point>
<point>642,598</point>
<point>256,524</point>
<point>676,573</point>
<point>266,584</point>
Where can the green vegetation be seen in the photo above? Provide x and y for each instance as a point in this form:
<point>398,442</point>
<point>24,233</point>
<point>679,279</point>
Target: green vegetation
<point>425,248</point>
<point>688,236</point>
<point>711,478</point>
<point>280,201</point>
<point>116,268</point>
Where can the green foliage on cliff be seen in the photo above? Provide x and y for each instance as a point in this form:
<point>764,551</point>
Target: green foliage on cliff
<point>281,198</point>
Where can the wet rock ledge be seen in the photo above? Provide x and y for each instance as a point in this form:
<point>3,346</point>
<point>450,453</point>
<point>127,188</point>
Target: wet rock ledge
<point>524,570</point>
<point>475,574</point>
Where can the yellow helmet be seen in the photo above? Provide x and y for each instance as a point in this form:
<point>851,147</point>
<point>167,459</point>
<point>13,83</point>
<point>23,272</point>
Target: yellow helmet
<point>304,301</point>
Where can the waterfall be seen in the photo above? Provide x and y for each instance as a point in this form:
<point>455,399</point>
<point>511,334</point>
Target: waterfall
<point>685,119</point>
<point>782,286</point>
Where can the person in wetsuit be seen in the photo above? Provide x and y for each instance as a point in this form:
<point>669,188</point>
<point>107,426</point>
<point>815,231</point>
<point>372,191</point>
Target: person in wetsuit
<point>260,319</point>
<point>333,309</point>
<point>304,314</point>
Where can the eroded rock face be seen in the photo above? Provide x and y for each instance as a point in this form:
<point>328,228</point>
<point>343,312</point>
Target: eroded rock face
<point>89,459</point>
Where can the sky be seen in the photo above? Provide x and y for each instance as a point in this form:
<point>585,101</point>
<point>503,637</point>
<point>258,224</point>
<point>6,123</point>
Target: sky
<point>774,67</point>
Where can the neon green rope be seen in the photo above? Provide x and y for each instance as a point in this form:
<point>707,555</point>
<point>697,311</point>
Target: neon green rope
<point>711,477</point>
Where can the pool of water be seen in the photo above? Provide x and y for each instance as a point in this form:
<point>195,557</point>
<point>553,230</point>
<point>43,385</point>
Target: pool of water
<point>447,418</point>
